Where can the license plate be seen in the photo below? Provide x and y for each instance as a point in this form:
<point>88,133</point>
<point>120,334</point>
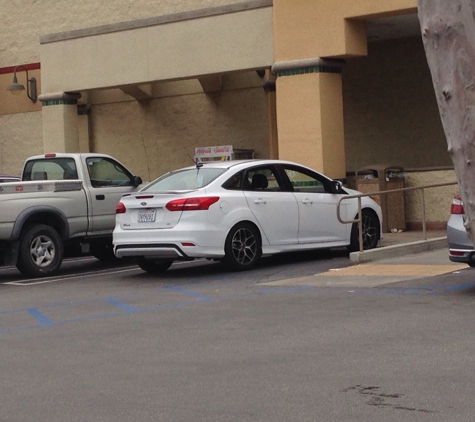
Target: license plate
<point>147,216</point>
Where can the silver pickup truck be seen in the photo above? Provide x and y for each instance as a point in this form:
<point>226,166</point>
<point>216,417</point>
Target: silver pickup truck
<point>61,200</point>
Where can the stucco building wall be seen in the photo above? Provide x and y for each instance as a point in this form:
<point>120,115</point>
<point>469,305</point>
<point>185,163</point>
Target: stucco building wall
<point>390,110</point>
<point>437,200</point>
<point>24,22</point>
<point>160,135</point>
<point>20,137</point>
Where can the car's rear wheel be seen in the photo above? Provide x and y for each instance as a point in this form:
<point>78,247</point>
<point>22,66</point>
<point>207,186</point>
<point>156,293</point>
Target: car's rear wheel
<point>41,251</point>
<point>243,247</point>
<point>371,231</point>
<point>153,265</point>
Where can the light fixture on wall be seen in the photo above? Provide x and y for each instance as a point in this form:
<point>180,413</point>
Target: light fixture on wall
<point>15,88</point>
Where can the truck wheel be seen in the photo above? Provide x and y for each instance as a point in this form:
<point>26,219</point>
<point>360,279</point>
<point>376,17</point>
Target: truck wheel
<point>41,251</point>
<point>154,266</point>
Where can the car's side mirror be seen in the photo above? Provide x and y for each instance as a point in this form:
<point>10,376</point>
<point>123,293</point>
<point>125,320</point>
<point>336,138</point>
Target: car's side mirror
<point>137,181</point>
<point>337,186</point>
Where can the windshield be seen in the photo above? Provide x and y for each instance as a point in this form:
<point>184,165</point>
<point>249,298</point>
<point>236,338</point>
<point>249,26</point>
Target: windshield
<point>184,179</point>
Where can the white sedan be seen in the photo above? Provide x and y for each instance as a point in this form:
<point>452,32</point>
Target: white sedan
<point>237,211</point>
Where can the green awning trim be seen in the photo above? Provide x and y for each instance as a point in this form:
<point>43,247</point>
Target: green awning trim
<point>59,102</point>
<point>313,69</point>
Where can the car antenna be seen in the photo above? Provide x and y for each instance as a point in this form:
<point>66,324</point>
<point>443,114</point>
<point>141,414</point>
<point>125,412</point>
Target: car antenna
<point>197,163</point>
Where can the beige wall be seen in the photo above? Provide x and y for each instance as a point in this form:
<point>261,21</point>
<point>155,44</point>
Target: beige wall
<point>328,28</point>
<point>311,127</point>
<point>390,111</point>
<point>24,22</point>
<point>21,126</point>
<point>159,135</point>
<point>20,136</point>
<point>389,105</point>
<point>11,103</point>
<point>142,52</point>
<point>437,200</point>
<point>22,25</point>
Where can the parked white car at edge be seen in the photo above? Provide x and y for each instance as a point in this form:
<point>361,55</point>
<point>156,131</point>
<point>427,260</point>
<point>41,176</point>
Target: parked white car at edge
<point>236,211</point>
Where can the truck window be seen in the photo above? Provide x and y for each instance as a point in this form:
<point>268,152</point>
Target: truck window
<point>50,169</point>
<point>106,172</point>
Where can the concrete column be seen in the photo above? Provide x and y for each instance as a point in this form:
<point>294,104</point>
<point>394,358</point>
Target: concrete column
<point>309,108</point>
<point>269,88</point>
<point>309,98</point>
<point>84,128</point>
<point>61,126</point>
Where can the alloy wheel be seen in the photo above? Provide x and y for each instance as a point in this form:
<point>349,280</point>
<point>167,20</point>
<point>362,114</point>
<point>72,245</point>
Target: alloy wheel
<point>244,246</point>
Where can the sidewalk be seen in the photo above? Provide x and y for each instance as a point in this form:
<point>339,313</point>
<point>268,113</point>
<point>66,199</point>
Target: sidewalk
<point>400,257</point>
<point>402,244</point>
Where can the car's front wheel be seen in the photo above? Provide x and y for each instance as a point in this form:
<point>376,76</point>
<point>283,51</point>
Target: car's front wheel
<point>153,265</point>
<point>243,247</point>
<point>371,231</point>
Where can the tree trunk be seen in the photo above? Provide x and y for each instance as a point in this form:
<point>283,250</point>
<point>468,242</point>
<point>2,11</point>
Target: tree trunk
<point>448,33</point>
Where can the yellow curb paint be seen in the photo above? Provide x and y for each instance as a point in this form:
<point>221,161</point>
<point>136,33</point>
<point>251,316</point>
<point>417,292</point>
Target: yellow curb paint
<point>393,270</point>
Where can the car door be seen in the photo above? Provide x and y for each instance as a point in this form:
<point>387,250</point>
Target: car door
<point>318,222</point>
<point>109,180</point>
<point>274,208</point>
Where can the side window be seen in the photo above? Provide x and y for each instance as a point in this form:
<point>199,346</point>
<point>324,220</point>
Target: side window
<point>106,172</point>
<point>262,179</point>
<point>234,183</point>
<point>304,182</point>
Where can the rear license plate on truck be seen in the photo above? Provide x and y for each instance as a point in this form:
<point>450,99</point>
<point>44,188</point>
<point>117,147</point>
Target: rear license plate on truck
<point>147,216</point>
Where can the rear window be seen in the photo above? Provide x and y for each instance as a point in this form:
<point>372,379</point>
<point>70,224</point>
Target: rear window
<point>184,180</point>
<point>50,169</point>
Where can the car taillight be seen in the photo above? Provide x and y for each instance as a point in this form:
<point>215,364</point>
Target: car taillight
<point>192,204</point>
<point>120,208</point>
<point>457,205</point>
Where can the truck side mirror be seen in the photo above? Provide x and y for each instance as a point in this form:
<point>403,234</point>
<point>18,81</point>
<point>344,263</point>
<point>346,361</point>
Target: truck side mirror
<point>137,181</point>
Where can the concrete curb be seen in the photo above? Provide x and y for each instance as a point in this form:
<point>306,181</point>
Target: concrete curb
<point>398,250</point>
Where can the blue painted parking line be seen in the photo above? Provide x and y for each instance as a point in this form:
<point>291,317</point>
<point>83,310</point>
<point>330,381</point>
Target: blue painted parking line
<point>125,309</point>
<point>42,319</point>
<point>188,292</point>
<point>122,305</point>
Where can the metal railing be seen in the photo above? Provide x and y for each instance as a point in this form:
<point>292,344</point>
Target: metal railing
<point>359,218</point>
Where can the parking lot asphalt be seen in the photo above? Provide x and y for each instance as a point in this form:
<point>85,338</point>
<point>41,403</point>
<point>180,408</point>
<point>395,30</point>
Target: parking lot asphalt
<point>303,337</point>
<point>202,344</point>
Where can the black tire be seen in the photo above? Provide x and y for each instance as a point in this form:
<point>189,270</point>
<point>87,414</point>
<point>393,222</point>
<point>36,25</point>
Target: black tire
<point>41,251</point>
<point>371,232</point>
<point>153,265</point>
<point>103,251</point>
<point>243,247</point>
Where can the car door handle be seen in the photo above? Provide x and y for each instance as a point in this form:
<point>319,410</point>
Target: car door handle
<point>307,201</point>
<point>100,197</point>
<point>260,201</point>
